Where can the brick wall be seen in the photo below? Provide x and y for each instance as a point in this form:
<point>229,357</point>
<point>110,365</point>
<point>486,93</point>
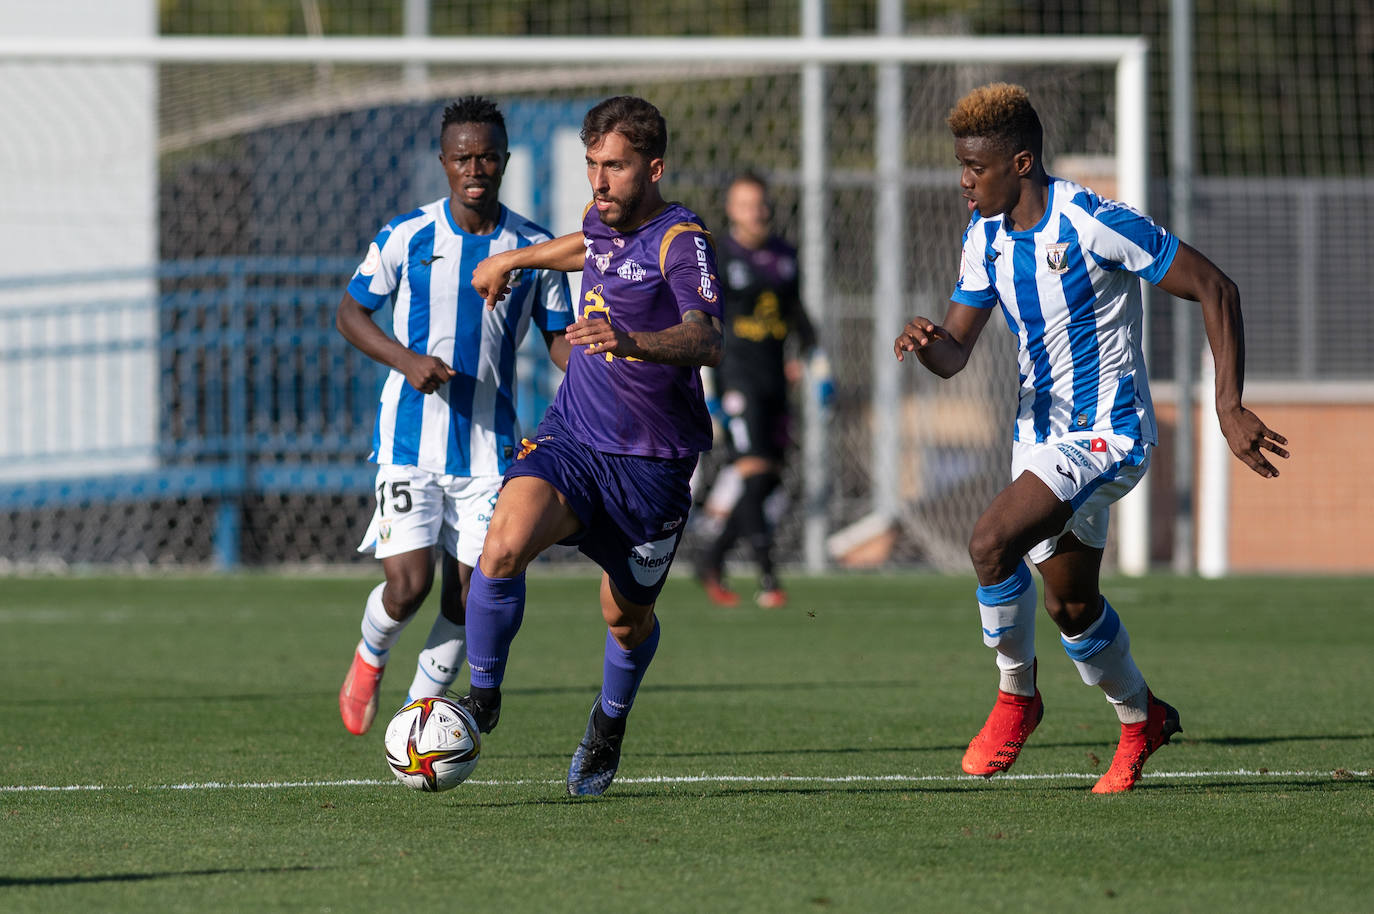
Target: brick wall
<point>1318,515</point>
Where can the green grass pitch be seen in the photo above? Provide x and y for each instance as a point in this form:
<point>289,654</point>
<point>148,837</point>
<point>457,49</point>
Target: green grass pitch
<point>173,744</point>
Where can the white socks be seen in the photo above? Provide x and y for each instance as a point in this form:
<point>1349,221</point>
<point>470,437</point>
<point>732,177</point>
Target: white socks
<point>443,655</point>
<point>1007,611</point>
<point>1102,653</point>
<point>380,631</point>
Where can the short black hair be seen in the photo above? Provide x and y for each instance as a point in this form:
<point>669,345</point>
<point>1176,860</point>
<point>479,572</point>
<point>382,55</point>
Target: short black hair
<point>472,109</point>
<point>633,118</point>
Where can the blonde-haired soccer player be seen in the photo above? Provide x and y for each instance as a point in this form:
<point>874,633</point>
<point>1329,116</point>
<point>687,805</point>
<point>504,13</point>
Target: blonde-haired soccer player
<point>1062,264</point>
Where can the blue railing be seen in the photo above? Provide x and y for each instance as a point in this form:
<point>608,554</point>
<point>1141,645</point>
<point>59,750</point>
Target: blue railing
<point>256,391</point>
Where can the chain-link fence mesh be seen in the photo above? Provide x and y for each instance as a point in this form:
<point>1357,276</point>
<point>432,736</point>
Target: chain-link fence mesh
<point>270,180</point>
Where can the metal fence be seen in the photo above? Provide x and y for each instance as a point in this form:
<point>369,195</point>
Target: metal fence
<point>244,420</point>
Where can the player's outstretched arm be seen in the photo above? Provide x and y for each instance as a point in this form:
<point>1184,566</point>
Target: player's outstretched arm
<point>1193,277</point>
<point>943,349</point>
<point>491,277</point>
<point>696,341</point>
<point>425,373</point>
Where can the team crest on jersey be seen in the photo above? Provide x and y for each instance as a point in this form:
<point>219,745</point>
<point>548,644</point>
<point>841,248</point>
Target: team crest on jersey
<point>1055,257</point>
<point>632,271</point>
<point>372,261</point>
<point>602,261</point>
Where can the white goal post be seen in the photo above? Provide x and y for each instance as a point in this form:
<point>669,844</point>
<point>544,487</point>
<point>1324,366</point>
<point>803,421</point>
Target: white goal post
<point>1125,56</point>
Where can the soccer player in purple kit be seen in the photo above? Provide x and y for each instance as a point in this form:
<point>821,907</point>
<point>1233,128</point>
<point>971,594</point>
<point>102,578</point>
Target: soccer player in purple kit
<point>609,468</point>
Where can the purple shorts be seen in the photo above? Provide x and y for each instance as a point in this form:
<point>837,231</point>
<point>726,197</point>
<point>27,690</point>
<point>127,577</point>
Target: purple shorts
<point>633,509</point>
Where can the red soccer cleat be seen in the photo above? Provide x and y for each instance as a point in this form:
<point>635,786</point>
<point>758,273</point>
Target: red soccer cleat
<point>358,697</point>
<point>1138,743</point>
<point>771,599</point>
<point>1013,719</point>
<point>718,593</point>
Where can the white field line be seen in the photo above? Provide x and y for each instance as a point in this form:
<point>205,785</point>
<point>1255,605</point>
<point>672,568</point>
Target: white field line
<point>671,780</point>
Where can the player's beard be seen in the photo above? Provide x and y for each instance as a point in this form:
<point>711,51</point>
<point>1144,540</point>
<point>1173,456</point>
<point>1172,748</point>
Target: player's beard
<point>628,207</point>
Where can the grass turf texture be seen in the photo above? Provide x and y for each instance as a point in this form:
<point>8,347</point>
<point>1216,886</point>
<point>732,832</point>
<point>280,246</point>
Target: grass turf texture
<point>137,685</point>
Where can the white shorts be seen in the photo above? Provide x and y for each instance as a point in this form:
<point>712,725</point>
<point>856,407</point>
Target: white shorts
<point>416,509</point>
<point>1090,473</point>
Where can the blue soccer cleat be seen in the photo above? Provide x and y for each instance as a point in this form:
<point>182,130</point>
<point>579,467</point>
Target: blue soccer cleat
<point>595,762</point>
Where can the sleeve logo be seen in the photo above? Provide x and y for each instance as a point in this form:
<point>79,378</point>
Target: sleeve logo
<point>372,261</point>
<point>707,288</point>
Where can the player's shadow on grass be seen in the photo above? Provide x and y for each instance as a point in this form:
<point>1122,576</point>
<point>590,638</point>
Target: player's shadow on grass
<point>708,791</point>
<point>589,689</point>
<point>716,688</point>
<point>763,753</point>
<point>1265,740</point>
<point>865,750</point>
<point>11,881</point>
<point>1080,785</point>
<point>1324,783</point>
<point>810,750</point>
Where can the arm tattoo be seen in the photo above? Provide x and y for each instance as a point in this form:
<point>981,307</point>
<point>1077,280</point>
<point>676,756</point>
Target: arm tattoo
<point>695,342</point>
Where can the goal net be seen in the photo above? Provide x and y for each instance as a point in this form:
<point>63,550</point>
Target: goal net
<point>183,215</point>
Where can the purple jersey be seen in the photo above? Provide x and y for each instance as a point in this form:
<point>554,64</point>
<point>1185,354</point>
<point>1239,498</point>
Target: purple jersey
<point>646,279</point>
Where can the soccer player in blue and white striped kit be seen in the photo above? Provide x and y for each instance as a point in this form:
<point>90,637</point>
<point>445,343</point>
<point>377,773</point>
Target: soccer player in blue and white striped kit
<point>1064,266</point>
<point>446,422</point>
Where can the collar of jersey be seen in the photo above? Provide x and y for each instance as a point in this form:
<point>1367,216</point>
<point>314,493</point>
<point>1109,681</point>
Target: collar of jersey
<point>457,230</point>
<point>1044,219</point>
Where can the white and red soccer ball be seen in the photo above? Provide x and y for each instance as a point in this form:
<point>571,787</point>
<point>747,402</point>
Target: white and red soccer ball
<point>432,744</point>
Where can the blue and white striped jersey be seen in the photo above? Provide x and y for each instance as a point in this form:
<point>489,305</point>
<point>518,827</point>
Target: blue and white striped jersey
<point>468,427</point>
<point>1070,292</point>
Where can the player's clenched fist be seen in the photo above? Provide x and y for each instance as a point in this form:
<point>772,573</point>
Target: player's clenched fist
<point>427,373</point>
<point>919,333</point>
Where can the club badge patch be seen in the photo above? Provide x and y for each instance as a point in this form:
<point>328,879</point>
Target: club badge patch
<point>1055,257</point>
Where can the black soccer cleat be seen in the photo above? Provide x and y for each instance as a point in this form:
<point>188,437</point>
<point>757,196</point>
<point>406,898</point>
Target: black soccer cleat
<point>595,762</point>
<point>484,711</point>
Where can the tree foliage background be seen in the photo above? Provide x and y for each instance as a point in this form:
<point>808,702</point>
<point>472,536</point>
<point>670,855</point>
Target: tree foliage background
<point>1282,87</point>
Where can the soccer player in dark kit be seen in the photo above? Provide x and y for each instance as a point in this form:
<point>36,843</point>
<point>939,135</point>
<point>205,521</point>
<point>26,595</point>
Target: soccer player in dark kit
<point>762,315</point>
